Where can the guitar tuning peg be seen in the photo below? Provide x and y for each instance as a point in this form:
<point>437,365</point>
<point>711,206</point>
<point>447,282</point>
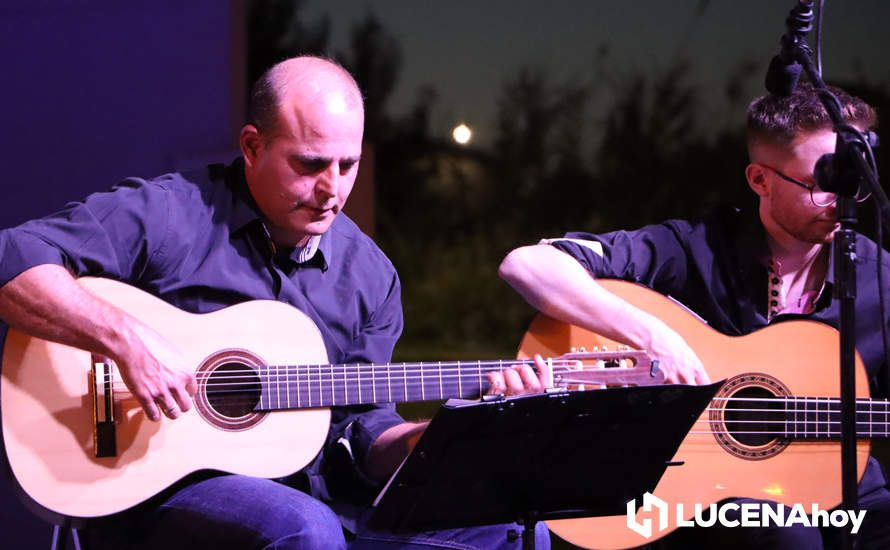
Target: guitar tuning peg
<point>596,349</point>
<point>583,349</point>
<point>573,349</point>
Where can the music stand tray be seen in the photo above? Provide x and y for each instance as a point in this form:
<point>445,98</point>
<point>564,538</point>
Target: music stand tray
<point>539,457</point>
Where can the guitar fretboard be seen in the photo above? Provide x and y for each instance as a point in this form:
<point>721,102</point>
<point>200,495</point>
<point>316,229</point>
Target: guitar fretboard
<point>307,386</point>
<point>813,418</point>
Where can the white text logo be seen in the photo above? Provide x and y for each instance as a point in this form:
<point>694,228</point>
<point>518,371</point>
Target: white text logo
<point>734,514</point>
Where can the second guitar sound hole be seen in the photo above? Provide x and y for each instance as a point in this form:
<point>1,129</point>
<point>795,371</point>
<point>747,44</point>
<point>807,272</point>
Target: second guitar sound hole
<point>754,416</point>
<point>233,390</point>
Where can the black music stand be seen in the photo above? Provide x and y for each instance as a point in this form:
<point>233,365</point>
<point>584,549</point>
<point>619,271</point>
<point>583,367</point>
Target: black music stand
<point>539,457</point>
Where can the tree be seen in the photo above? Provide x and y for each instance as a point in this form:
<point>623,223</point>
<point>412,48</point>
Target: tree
<point>276,31</point>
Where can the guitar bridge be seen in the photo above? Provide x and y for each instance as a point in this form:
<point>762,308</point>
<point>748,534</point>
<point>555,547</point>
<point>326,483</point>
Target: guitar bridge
<point>102,386</point>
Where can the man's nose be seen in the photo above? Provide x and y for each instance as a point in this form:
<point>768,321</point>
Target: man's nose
<point>328,181</point>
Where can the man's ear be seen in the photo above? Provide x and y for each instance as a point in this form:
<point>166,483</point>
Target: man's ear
<point>250,142</point>
<point>756,175</point>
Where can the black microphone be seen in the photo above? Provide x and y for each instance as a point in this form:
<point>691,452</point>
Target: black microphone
<point>833,174</point>
<point>784,70</point>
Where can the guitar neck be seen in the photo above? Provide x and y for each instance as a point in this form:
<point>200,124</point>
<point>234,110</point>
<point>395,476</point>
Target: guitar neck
<point>307,386</point>
<point>813,418</point>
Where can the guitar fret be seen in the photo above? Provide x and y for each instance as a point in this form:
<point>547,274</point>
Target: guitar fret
<point>818,407</point>
<point>282,387</point>
<point>786,420</point>
<point>814,424</point>
<point>358,372</point>
<point>803,423</point>
<point>287,385</point>
<point>884,422</point>
<point>333,391</point>
<point>871,416</point>
<point>441,393</point>
<point>278,382</point>
<point>299,402</point>
<point>373,384</point>
<point>479,369</point>
<point>836,418</point>
<point>345,387</point>
<point>460,375</point>
<point>422,389</point>
<point>806,417</point>
<point>282,372</point>
<point>262,404</point>
<point>273,400</point>
<point>389,381</point>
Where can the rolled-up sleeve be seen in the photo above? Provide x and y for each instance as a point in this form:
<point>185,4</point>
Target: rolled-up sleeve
<point>110,234</point>
<point>654,255</point>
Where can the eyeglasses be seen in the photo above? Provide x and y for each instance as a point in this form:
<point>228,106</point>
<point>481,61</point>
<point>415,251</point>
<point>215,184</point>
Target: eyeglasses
<point>817,195</point>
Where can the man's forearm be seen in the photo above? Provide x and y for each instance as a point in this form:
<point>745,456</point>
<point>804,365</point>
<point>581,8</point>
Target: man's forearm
<point>47,302</point>
<point>558,286</point>
<point>391,448</point>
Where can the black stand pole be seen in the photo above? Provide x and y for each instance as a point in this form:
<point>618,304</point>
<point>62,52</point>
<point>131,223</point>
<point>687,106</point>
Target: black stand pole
<point>844,250</point>
<point>849,168</point>
<point>528,535</point>
<point>528,532</point>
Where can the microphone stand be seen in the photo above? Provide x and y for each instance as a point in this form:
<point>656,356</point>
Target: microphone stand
<point>849,169</point>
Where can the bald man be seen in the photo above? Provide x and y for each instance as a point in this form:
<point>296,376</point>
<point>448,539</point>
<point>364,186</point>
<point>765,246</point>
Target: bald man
<point>267,226</point>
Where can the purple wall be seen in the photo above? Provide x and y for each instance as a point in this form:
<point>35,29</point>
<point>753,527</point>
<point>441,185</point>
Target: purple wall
<point>96,90</point>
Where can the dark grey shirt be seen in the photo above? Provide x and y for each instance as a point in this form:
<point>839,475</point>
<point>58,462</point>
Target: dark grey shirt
<point>717,267</point>
<point>196,240</point>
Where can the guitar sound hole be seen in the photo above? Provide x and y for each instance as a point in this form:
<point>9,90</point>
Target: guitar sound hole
<point>233,390</point>
<point>754,417</point>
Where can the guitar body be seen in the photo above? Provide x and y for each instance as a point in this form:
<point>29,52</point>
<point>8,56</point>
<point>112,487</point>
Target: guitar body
<point>47,412</point>
<point>801,355</point>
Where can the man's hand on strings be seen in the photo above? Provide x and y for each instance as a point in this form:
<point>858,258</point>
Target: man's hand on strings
<point>521,378</point>
<point>676,359</point>
<point>156,375</point>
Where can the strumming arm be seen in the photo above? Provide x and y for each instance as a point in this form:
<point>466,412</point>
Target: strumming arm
<point>46,301</point>
<point>555,284</point>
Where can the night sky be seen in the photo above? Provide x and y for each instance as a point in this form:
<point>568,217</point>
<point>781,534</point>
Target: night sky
<point>466,49</point>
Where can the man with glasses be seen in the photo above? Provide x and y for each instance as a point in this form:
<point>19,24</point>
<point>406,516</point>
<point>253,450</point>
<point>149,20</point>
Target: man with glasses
<point>817,195</point>
<point>739,272</point>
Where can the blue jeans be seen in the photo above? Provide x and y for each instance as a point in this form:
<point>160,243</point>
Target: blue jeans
<point>234,512</point>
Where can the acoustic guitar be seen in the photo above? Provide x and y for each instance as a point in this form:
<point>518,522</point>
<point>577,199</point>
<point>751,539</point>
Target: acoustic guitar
<point>79,445</point>
<point>772,432</point>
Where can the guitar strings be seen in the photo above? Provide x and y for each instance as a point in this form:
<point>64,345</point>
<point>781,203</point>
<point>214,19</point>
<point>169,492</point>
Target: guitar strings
<point>312,374</point>
<point>325,368</point>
